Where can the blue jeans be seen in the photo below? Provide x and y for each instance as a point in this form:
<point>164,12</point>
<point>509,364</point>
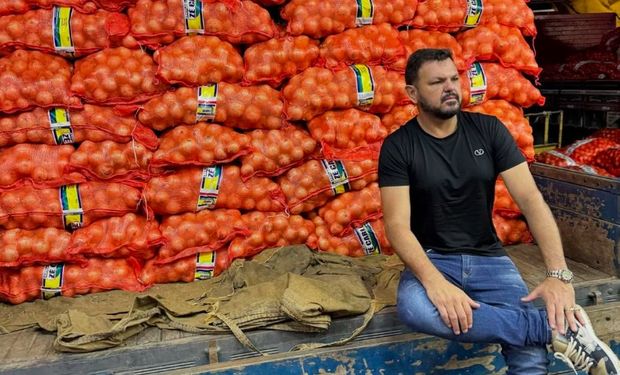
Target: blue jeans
<point>495,283</point>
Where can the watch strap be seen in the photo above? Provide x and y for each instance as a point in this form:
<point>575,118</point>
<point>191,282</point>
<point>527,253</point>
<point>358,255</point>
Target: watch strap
<point>561,274</point>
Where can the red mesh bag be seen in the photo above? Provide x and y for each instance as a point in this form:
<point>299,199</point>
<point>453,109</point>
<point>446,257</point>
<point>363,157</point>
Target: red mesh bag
<point>114,5</point>
<point>352,209</point>
<point>97,275</point>
<point>41,166</point>
<point>14,7</point>
<point>450,15</point>
<point>318,90</point>
<point>557,158</point>
<point>87,33</point>
<point>414,40</point>
<point>366,239</point>
<point>22,6</point>
<point>511,231</point>
<point>269,229</point>
<point>609,160</point>
<point>117,237</point>
<point>499,43</point>
<point>277,59</point>
<point>505,206</point>
<point>204,231</point>
<point>486,81</point>
<point>269,3</point>
<point>348,134</point>
<point>256,107</point>
<point>515,13</point>
<point>20,247</point>
<point>311,185</point>
<point>590,169</point>
<point>116,76</point>
<point>512,117</point>
<point>195,189</point>
<point>585,150</point>
<point>31,208</point>
<point>441,15</point>
<point>32,78</point>
<point>276,151</point>
<point>398,117</point>
<point>111,161</point>
<point>321,18</point>
<point>373,44</point>
<point>238,22</point>
<point>200,145</point>
<point>609,133</point>
<point>198,60</point>
<point>60,126</point>
<point>196,267</point>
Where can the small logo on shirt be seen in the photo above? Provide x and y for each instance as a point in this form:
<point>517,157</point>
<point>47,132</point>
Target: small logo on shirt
<point>479,152</point>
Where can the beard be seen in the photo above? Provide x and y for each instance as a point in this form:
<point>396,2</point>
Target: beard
<point>443,113</point>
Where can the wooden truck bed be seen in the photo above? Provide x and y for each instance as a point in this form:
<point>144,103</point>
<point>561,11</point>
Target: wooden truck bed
<point>385,347</point>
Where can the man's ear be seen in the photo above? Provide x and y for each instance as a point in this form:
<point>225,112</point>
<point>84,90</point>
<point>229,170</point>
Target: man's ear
<point>412,92</point>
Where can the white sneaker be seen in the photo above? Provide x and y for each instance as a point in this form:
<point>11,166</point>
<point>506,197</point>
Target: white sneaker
<point>582,350</point>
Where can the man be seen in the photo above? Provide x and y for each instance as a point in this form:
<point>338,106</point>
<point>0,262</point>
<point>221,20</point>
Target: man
<point>437,175</point>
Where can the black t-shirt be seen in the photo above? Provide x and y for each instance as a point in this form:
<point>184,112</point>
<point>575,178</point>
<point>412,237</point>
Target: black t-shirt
<point>451,181</point>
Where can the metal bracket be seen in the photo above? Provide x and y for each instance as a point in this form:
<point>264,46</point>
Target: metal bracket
<point>212,351</point>
<point>597,297</point>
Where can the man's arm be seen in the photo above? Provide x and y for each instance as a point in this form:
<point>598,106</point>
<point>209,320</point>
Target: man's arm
<point>558,296</point>
<point>453,304</point>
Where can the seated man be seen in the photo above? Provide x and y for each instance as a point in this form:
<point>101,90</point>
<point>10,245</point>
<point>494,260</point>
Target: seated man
<point>437,175</point>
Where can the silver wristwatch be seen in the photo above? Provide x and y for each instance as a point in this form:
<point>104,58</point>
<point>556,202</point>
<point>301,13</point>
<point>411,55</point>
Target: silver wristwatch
<point>564,274</point>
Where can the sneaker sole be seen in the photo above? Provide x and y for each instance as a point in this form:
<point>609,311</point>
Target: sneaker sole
<point>604,346</point>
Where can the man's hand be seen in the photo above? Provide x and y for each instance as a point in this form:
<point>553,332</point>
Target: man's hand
<point>559,298</point>
<point>454,306</point>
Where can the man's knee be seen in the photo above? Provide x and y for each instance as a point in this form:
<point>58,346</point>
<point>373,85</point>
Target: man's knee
<point>416,310</point>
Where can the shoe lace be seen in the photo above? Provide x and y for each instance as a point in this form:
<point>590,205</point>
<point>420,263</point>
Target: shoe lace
<point>575,357</point>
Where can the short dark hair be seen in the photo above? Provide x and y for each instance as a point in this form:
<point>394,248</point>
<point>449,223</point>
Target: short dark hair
<point>419,57</point>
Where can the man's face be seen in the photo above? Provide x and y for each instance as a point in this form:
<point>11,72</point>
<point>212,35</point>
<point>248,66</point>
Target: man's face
<point>438,89</point>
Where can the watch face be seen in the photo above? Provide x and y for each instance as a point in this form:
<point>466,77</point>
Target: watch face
<point>566,275</point>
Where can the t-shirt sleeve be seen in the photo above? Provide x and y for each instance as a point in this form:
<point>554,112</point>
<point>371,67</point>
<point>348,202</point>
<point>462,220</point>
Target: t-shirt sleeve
<point>393,166</point>
<point>506,152</point>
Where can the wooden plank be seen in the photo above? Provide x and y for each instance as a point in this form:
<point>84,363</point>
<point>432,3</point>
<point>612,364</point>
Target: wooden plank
<point>408,353</point>
<point>605,319</point>
<point>611,185</point>
<point>587,210</point>
<point>593,242</point>
<point>529,261</point>
<point>592,202</point>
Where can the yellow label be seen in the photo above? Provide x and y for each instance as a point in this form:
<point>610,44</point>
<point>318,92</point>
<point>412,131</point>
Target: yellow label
<point>368,239</point>
<point>194,21</point>
<point>71,204</point>
<point>61,29</point>
<point>474,13</point>
<point>337,174</point>
<point>365,84</point>
<point>477,84</point>
<point>52,280</point>
<point>205,266</point>
<point>364,13</point>
<point>207,102</point>
<point>209,187</point>
<point>60,125</point>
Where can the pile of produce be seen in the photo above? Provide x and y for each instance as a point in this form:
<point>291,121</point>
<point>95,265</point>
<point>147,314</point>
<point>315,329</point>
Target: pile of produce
<point>155,141</point>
